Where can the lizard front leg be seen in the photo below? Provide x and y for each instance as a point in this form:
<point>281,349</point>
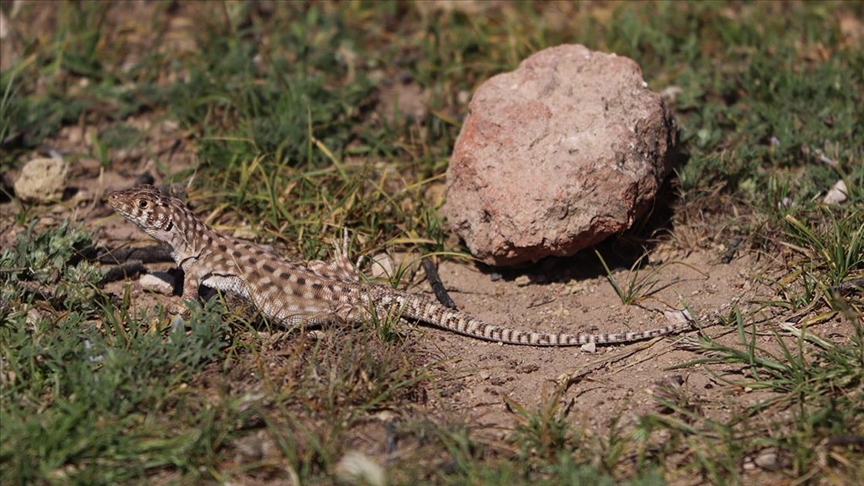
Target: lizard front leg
<point>191,282</point>
<point>190,287</point>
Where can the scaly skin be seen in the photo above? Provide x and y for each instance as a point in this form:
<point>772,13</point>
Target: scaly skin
<point>290,292</point>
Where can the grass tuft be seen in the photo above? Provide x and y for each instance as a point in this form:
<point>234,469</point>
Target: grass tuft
<point>281,119</point>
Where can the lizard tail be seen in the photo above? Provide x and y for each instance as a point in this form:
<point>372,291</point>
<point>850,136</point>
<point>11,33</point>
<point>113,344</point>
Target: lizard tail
<point>423,309</point>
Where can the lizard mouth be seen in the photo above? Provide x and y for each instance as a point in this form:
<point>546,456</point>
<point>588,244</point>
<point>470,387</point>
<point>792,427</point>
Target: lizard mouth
<point>116,203</point>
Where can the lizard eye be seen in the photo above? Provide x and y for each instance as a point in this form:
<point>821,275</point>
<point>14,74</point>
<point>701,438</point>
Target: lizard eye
<point>142,203</point>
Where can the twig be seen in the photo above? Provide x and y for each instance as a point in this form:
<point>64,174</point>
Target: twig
<point>437,286</point>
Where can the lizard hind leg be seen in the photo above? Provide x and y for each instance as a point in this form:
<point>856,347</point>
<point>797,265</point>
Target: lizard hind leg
<point>341,268</point>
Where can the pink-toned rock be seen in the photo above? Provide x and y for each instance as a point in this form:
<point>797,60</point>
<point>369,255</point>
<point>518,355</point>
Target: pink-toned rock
<point>557,155</point>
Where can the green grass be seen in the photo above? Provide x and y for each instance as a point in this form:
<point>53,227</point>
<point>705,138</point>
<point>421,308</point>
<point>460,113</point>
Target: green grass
<point>815,404</point>
<point>94,392</point>
<point>279,111</point>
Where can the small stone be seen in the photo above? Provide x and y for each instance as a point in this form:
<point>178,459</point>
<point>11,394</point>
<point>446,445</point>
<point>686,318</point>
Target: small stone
<point>590,348</point>
<point>42,180</point>
<point>387,265</point>
<point>677,316</point>
<point>357,468</point>
<point>837,194</point>
<point>768,460</point>
<point>158,282</point>
<point>33,317</point>
<point>381,266</point>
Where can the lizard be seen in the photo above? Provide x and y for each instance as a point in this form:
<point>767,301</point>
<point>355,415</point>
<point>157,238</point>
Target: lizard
<point>289,292</point>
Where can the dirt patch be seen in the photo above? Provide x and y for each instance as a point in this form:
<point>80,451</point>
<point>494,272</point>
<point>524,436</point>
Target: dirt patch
<point>476,382</point>
<point>561,296</point>
<point>619,380</point>
<point>475,379</point>
<point>327,390</point>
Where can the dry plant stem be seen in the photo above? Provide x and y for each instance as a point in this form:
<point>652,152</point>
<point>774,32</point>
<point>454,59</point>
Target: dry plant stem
<point>435,281</point>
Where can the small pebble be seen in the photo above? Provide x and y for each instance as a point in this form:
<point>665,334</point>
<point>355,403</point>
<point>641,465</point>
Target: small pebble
<point>42,180</point>
<point>838,193</point>
<point>159,282</point>
<point>357,468</point>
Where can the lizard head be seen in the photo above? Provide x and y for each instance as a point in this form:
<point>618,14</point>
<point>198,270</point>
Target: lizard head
<point>163,217</point>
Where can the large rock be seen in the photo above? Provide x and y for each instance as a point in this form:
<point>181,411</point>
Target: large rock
<point>555,156</point>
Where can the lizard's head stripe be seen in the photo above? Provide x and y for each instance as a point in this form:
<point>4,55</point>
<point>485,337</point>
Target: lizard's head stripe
<point>161,216</point>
